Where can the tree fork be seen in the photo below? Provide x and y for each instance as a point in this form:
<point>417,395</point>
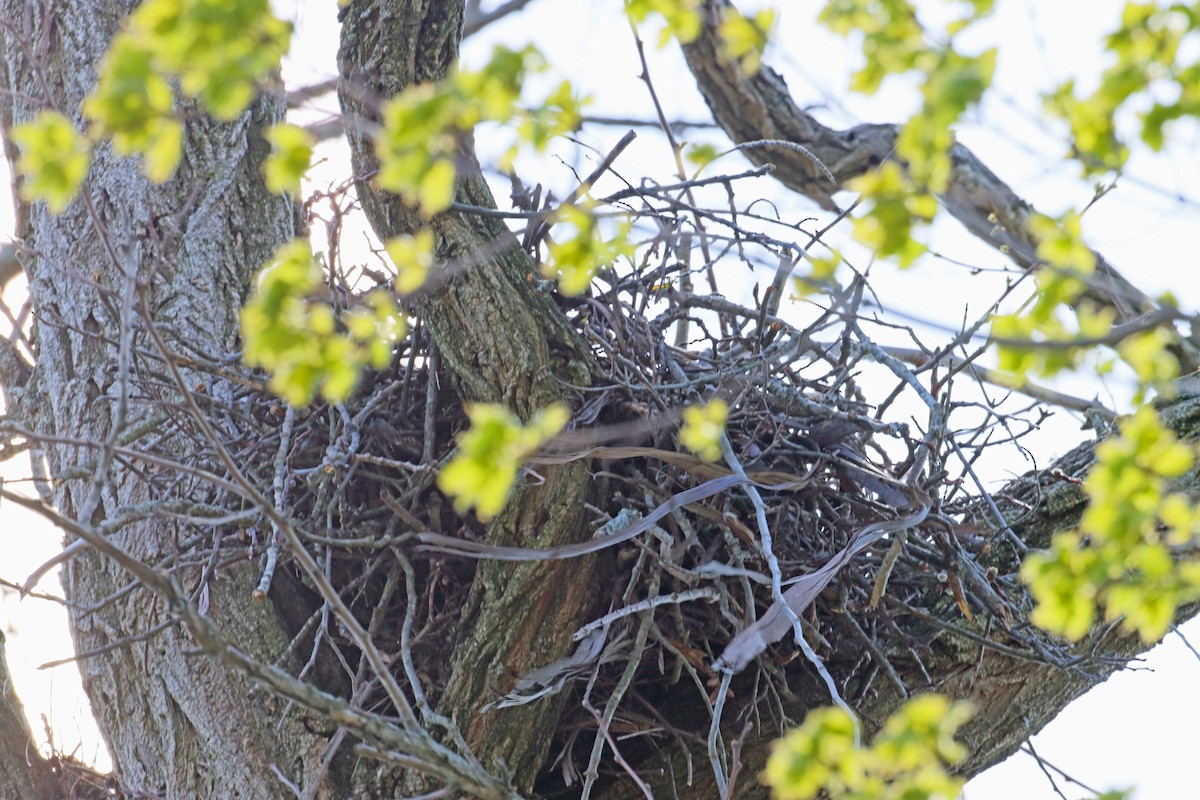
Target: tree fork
<point>1013,697</point>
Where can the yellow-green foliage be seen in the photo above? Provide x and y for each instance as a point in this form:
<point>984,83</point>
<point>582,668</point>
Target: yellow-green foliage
<point>896,204</point>
<point>413,258</point>
<point>907,761</point>
<point>423,125</point>
<point>895,42</point>
<point>820,274</point>
<point>681,17</point>
<point>134,106</point>
<point>1068,264</point>
<point>54,159</point>
<point>1120,557</point>
<point>745,38</point>
<point>1147,354</point>
<point>701,155</point>
<point>579,247</point>
<point>1146,72</point>
<point>291,153</point>
<point>299,340</point>
<point>219,50</point>
<point>703,427</point>
<point>490,453</point>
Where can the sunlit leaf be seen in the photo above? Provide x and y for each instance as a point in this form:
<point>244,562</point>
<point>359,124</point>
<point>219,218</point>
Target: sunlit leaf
<point>413,257</point>
<point>703,427</point>
<point>580,246</point>
<point>908,760</point>
<point>301,341</point>
<point>291,154</point>
<point>490,453</point>
<point>681,18</point>
<point>54,159</point>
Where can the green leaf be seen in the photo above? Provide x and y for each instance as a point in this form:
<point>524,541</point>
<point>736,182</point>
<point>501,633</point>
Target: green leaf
<point>490,453</point>
<point>301,342</point>
<point>745,38</point>
<point>901,200</point>
<point>424,125</point>
<point>134,106</point>
<point>436,190</point>
<point>896,206</point>
<point>413,258</point>
<point>163,151</point>
<point>1115,561</point>
<point>1060,242</point>
<point>703,427</point>
<point>580,248</point>
<point>908,760</point>
<point>701,155</point>
<point>219,49</point>
<point>1145,68</point>
<point>681,17</point>
<point>820,276</point>
<point>54,159</point>
<point>291,154</point>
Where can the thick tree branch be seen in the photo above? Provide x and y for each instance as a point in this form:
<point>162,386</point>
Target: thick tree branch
<point>23,771</point>
<point>758,107</point>
<point>477,19</point>
<point>504,342</point>
<point>177,726</point>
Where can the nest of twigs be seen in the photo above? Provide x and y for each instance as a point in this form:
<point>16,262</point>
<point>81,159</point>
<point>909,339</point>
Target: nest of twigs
<point>363,475</point>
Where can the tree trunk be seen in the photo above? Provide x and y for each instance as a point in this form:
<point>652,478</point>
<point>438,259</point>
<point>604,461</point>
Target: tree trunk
<point>23,771</point>
<point>177,725</point>
<point>519,616</point>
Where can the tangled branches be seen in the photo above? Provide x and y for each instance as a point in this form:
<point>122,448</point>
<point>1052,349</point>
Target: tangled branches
<point>831,531</point>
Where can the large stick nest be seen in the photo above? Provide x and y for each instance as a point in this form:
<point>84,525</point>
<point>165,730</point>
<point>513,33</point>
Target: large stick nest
<point>811,410</point>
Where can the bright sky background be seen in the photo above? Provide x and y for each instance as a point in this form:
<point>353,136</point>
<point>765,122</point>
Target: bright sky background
<point>1141,728</point>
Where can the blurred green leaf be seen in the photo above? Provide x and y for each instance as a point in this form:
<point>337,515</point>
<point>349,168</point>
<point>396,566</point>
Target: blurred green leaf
<point>291,154</point>
<point>703,426</point>
<point>490,453</point>
<point>908,760</point>
<point>54,159</point>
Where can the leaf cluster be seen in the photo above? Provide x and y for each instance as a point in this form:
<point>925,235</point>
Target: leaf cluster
<point>1120,558</point>
<point>908,760</point>
<point>423,126</point>
<point>299,338</point>
<point>216,51</point>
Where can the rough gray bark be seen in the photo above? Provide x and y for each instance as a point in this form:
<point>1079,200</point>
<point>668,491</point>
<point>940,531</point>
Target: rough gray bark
<point>177,726</point>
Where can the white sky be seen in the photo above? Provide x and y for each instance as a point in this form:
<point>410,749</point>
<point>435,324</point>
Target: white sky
<point>1141,728</point>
